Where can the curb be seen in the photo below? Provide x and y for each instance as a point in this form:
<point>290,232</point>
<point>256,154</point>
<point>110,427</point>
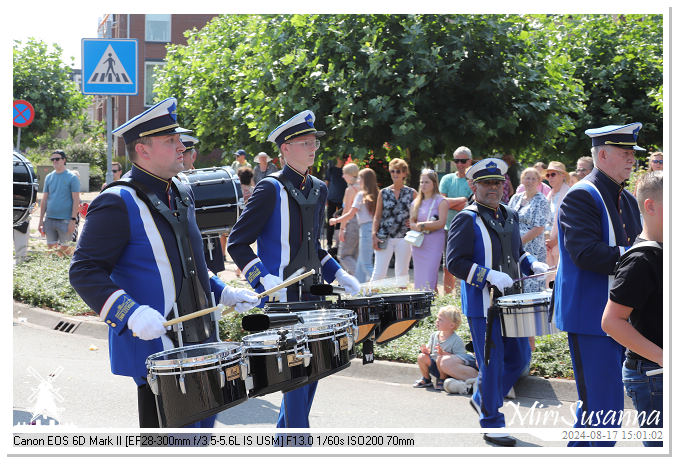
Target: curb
<point>386,371</point>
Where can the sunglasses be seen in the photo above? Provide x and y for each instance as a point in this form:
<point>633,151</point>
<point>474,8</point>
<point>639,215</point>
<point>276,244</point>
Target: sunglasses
<point>116,170</point>
<point>56,159</point>
<point>551,174</point>
<point>460,161</point>
<point>395,171</point>
<point>656,161</point>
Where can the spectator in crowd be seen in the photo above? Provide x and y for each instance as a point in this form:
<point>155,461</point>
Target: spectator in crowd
<point>597,220</point>
<point>390,224</point>
<point>513,171</point>
<point>21,235</point>
<point>241,160</point>
<point>117,171</point>
<point>428,215</point>
<point>456,188</point>
<point>507,189</point>
<point>633,315</point>
<point>59,205</point>
<point>559,180</point>
<point>363,208</point>
<point>263,166</point>
<point>655,161</point>
<point>543,186</point>
<point>444,355</point>
<point>572,178</point>
<point>336,186</point>
<point>348,235</point>
<point>245,176</point>
<point>584,166</point>
<point>190,154</point>
<point>533,210</point>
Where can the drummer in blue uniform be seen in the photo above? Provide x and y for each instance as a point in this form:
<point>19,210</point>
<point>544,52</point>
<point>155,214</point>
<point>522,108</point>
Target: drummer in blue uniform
<point>140,260</point>
<point>484,249</point>
<point>598,220</point>
<point>284,216</point>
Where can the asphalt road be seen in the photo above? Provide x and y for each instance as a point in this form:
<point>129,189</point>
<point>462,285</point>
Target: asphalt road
<point>362,398</point>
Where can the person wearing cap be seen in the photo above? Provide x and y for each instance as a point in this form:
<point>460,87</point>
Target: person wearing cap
<point>241,160</point>
<point>598,220</point>
<point>284,216</point>
<point>263,166</point>
<point>190,154</point>
<point>139,261</point>
<point>559,181</point>
<point>484,250</point>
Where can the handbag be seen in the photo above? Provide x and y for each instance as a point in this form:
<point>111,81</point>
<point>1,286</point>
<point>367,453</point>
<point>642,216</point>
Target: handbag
<point>415,237</point>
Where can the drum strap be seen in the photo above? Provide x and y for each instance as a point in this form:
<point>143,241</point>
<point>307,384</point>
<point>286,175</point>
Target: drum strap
<point>307,255</point>
<point>192,296</point>
<point>504,232</point>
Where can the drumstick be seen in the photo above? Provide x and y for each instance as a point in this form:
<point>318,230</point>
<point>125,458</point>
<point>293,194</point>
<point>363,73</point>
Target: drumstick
<point>205,311</point>
<point>550,271</point>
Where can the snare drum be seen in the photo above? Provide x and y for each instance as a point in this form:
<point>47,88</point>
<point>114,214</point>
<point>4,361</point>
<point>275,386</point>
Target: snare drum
<point>277,360</point>
<point>400,312</point>
<point>367,314</point>
<point>526,314</point>
<point>192,383</point>
<point>346,315</point>
<point>218,197</point>
<point>329,345</point>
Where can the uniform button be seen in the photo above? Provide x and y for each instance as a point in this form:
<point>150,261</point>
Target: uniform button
<point>108,322</point>
<point>623,226</point>
<point>113,324</point>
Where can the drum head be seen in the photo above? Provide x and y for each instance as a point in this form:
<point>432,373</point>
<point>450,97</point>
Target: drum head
<point>306,316</point>
<point>322,326</point>
<point>525,299</point>
<point>272,338</point>
<point>194,356</point>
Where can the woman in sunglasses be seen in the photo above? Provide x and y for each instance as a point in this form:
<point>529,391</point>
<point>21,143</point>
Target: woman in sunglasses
<point>559,180</point>
<point>655,161</point>
<point>390,224</point>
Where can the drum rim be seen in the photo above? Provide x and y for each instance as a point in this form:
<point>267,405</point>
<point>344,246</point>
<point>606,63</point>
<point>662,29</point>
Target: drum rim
<point>339,313</point>
<point>524,299</point>
<point>333,324</point>
<point>297,334</point>
<point>223,356</point>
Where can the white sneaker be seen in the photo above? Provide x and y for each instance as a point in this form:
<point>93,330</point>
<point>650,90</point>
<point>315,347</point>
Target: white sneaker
<point>454,386</point>
<point>472,385</point>
<point>511,394</point>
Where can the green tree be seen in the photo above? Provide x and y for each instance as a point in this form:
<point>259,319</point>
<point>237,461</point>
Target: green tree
<point>619,60</point>
<point>40,77</point>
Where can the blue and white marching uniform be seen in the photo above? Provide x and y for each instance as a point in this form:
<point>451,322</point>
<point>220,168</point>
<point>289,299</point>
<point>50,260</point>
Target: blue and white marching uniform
<point>128,256</point>
<point>473,250</point>
<point>273,219</point>
<point>597,221</point>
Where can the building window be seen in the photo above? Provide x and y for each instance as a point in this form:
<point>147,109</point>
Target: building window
<point>158,27</point>
<point>150,67</point>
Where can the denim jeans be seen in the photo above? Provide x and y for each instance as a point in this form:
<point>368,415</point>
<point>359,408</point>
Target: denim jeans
<point>364,263</point>
<point>645,391</point>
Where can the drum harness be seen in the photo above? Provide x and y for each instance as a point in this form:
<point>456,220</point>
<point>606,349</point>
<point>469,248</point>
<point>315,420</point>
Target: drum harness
<point>504,232</point>
<point>307,255</point>
<point>192,296</point>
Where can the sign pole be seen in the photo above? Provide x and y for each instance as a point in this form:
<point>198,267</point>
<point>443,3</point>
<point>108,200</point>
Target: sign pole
<point>109,145</point>
<point>18,140</point>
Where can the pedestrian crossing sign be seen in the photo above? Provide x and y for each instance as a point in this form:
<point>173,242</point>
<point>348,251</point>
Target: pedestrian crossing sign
<point>109,67</point>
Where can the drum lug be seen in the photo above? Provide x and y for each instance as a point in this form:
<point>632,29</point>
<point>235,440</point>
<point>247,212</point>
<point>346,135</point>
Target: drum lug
<point>350,340</point>
<point>153,383</point>
<point>337,349</point>
<point>279,359</point>
<point>222,378</point>
<point>307,357</point>
<point>182,384</point>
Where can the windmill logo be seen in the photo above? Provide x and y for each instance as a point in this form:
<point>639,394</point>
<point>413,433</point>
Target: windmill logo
<point>45,396</point>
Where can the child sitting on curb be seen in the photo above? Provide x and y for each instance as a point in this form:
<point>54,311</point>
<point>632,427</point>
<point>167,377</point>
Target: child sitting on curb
<point>445,355</point>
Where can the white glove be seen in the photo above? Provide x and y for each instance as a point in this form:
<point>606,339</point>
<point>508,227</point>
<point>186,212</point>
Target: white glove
<point>349,282</point>
<point>499,279</point>
<point>539,267</point>
<point>241,299</point>
<point>269,281</point>
<point>147,323</point>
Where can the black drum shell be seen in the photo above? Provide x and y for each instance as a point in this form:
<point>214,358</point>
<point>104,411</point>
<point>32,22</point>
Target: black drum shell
<point>399,313</point>
<point>217,193</point>
<point>25,188</point>
<point>323,361</point>
<point>266,377</point>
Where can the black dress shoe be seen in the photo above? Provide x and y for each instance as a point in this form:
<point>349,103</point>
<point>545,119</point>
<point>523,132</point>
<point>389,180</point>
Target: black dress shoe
<point>504,440</point>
